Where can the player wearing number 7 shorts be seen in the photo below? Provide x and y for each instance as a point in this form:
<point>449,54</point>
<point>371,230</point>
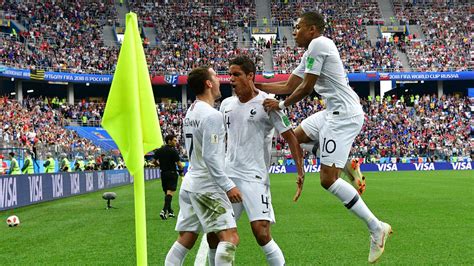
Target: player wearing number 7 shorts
<point>250,130</point>
<point>336,127</point>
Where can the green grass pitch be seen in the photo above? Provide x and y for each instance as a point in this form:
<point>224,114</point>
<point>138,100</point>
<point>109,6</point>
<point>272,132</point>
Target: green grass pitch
<point>431,213</point>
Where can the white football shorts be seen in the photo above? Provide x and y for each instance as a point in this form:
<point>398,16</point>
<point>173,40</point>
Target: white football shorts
<point>206,212</point>
<point>256,200</point>
<point>335,134</point>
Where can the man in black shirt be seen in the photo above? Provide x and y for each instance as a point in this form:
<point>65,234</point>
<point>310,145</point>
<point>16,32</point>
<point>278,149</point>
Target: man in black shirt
<point>168,158</point>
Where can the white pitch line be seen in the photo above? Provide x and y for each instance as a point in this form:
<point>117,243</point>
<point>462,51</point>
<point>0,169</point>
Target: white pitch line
<point>201,256</point>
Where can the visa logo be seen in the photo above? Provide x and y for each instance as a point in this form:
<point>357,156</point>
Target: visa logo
<point>89,181</point>
<point>424,166</point>
<point>58,188</point>
<point>75,187</point>
<point>8,197</point>
<point>100,180</point>
<point>36,188</point>
<point>312,168</point>
<point>387,167</point>
<point>277,169</point>
<point>462,166</point>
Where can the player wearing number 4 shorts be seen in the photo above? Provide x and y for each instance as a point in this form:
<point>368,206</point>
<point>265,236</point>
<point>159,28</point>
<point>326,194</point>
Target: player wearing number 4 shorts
<point>250,130</point>
<point>336,127</point>
<point>206,192</point>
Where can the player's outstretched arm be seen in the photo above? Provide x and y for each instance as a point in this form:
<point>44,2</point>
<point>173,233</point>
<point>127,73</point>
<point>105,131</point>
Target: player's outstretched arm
<point>297,154</point>
<point>303,90</point>
<point>281,87</point>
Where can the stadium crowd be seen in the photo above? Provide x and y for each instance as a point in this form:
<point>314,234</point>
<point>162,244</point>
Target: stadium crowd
<point>420,126</point>
<point>447,30</point>
<point>425,128</point>
<point>195,33</point>
<point>62,35</point>
<point>67,36</point>
<point>38,125</point>
<point>347,30</point>
<point>425,125</point>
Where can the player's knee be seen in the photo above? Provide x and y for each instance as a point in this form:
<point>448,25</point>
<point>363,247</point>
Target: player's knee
<point>328,176</point>
<point>229,235</point>
<point>236,239</point>
<point>233,238</point>
<point>263,238</point>
<point>327,182</point>
<point>261,231</point>
<point>187,239</point>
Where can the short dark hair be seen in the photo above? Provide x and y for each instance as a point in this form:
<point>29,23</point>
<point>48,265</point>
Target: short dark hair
<point>245,63</point>
<point>197,79</point>
<point>169,137</point>
<point>314,18</point>
<point>12,154</point>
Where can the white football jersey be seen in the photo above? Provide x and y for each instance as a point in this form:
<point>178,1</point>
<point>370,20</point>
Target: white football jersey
<point>204,133</point>
<point>322,58</point>
<point>249,137</point>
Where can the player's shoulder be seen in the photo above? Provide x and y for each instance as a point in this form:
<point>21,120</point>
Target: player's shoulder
<point>212,113</point>
<point>228,100</point>
<point>201,110</point>
<point>260,98</point>
<point>262,94</point>
<point>321,41</point>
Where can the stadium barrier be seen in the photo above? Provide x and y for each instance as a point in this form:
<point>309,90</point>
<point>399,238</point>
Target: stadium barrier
<point>23,190</point>
<point>381,167</point>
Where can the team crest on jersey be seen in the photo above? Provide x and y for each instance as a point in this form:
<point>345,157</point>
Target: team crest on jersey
<point>253,112</point>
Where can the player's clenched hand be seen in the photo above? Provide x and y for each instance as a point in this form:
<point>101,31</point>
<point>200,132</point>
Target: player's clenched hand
<point>271,104</point>
<point>299,187</point>
<point>234,195</point>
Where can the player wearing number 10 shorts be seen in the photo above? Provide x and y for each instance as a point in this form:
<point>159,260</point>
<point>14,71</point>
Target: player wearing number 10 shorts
<point>336,127</point>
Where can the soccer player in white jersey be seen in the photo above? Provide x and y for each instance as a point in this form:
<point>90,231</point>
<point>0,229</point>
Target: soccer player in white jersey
<point>337,126</point>
<point>206,194</point>
<point>250,130</point>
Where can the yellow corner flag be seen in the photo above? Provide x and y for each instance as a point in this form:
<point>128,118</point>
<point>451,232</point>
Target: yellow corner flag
<point>131,120</point>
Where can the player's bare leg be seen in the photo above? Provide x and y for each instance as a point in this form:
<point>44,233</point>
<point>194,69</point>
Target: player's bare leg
<point>273,253</point>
